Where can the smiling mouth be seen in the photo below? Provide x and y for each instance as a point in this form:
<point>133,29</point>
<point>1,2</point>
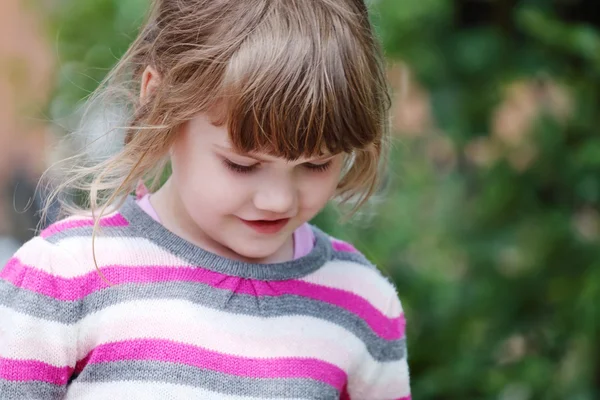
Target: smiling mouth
<point>267,227</point>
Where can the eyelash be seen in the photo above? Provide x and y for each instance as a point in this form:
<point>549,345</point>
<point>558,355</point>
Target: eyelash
<point>246,169</point>
<point>318,167</point>
<point>240,169</point>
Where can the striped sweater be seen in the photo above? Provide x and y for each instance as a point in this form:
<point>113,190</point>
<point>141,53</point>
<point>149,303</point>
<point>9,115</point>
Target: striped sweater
<point>178,322</point>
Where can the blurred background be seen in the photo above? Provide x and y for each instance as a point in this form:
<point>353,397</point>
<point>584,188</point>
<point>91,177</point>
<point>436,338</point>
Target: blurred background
<point>490,228</point>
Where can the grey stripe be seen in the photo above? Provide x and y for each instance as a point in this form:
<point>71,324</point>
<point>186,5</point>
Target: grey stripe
<point>111,231</point>
<point>86,232</point>
<point>31,391</point>
<point>38,305</point>
<point>268,306</point>
<point>357,258</point>
<point>181,374</point>
<point>142,225</point>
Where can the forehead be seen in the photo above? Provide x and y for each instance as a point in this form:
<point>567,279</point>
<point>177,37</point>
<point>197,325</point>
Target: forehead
<point>290,94</point>
<point>207,131</point>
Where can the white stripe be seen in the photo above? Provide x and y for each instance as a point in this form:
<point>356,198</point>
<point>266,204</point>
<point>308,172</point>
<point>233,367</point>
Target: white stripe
<point>233,334</point>
<point>389,381</point>
<point>365,282</point>
<point>42,255</point>
<point>125,251</point>
<point>146,391</point>
<point>29,338</point>
<point>77,258</point>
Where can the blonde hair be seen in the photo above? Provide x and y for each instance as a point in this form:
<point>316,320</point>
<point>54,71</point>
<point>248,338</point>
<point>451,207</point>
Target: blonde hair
<point>292,78</point>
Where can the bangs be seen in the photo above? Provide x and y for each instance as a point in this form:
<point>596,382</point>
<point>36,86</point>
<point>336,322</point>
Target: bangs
<point>303,86</point>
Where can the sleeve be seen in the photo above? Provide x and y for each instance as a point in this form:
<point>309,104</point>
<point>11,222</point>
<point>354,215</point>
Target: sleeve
<point>384,375</point>
<point>37,324</point>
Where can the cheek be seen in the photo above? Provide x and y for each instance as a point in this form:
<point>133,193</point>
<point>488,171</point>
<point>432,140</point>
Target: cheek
<point>317,190</point>
<point>203,184</point>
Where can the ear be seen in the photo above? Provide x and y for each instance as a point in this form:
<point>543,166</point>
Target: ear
<point>150,81</point>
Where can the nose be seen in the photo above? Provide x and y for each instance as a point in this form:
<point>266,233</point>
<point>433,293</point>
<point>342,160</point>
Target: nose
<point>278,197</point>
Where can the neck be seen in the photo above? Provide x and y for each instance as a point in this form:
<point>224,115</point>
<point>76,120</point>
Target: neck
<point>171,211</point>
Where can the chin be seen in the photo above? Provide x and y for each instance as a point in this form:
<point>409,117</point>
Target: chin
<point>256,252</point>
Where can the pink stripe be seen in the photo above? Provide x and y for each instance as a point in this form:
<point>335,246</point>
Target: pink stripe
<point>76,288</point>
<point>115,220</point>
<point>345,395</point>
<point>387,328</point>
<point>30,370</point>
<point>338,245</point>
<point>405,398</point>
<point>180,353</point>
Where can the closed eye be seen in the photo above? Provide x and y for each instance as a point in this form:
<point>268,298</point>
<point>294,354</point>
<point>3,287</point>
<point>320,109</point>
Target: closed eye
<point>318,167</point>
<point>238,168</point>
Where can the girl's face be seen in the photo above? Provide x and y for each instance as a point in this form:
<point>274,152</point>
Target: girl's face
<point>245,204</point>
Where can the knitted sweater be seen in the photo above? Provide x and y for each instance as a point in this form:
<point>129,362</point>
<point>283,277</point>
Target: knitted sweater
<point>178,322</point>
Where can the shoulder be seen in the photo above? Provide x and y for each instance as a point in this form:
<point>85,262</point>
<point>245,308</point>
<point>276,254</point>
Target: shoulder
<point>64,248</point>
<point>60,259</point>
<point>81,226</point>
<point>37,267</point>
<point>53,250</point>
<point>351,272</point>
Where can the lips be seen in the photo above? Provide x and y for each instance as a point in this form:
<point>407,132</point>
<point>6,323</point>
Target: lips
<point>267,227</point>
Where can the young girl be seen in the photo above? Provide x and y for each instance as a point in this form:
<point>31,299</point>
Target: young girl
<point>215,286</point>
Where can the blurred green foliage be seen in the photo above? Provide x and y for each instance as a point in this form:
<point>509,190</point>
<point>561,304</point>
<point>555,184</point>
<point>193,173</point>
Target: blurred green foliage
<point>490,228</point>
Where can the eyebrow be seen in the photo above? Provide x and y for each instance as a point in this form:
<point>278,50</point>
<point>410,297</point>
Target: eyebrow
<point>245,155</point>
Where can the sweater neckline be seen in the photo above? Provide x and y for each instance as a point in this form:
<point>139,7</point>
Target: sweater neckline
<point>145,226</point>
